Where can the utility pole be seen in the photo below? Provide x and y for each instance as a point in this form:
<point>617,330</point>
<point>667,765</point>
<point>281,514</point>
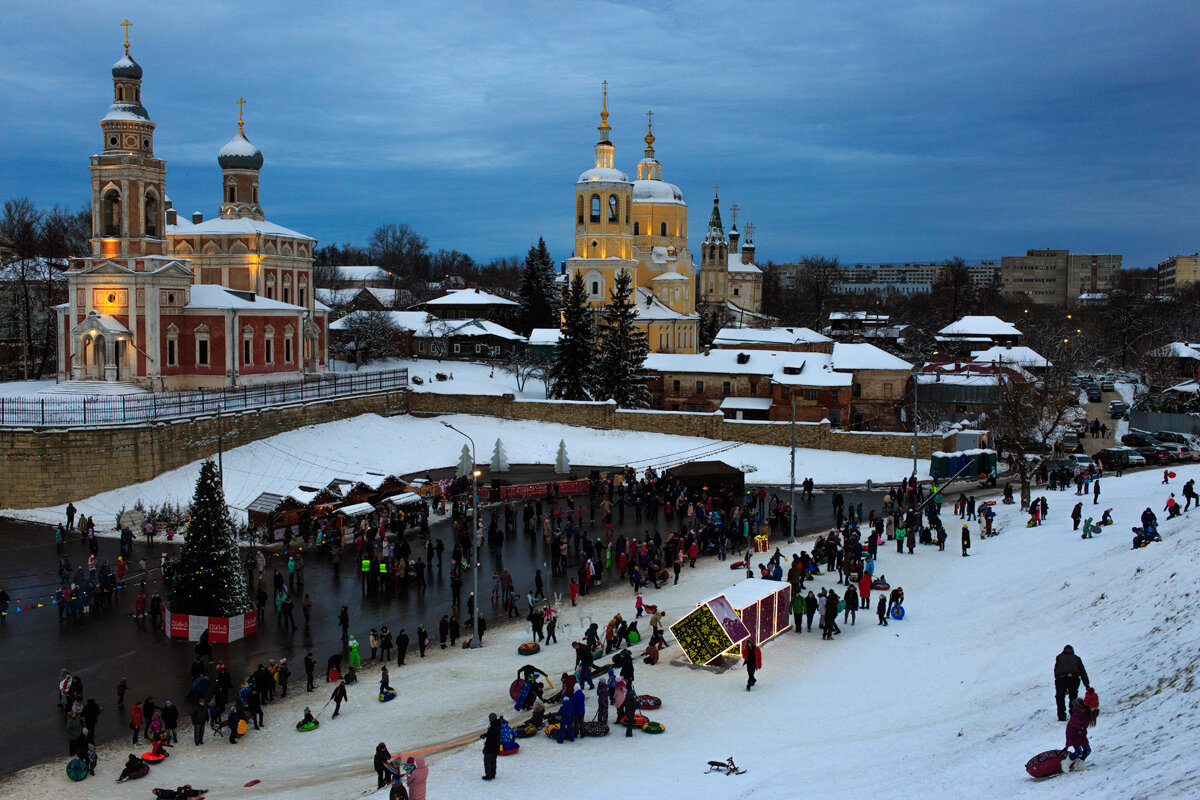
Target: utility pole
<point>475,640</point>
<point>792,508</point>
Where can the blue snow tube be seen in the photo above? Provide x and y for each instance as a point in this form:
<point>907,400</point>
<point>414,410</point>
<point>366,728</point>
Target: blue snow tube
<point>897,612</point>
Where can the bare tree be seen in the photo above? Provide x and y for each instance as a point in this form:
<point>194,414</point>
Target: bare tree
<point>524,364</point>
<point>369,335</point>
<point>1026,421</point>
<point>400,250</point>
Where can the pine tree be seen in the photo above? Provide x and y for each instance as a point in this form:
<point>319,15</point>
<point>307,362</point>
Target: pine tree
<point>538,292</point>
<point>466,464</point>
<point>209,579</point>
<point>621,351</point>
<point>499,458</point>
<point>570,372</point>
<point>562,464</point>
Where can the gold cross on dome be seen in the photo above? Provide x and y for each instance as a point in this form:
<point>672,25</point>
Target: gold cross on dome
<point>734,209</point>
<point>649,119</point>
<point>240,103</point>
<point>716,189</point>
<point>750,231</point>
<point>126,25</point>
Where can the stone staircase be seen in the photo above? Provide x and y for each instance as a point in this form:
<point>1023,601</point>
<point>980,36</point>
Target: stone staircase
<point>92,389</point>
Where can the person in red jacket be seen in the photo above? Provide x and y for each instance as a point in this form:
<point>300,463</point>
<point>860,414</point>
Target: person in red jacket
<point>136,720</point>
<point>752,656</point>
<point>864,590</point>
<point>693,554</point>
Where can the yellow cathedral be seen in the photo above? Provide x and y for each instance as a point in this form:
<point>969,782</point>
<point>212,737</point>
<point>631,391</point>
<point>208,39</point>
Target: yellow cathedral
<point>640,227</point>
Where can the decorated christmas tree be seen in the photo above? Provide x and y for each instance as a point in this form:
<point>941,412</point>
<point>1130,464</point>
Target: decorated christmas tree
<point>209,579</point>
<point>562,465</point>
<point>466,464</point>
<point>499,458</point>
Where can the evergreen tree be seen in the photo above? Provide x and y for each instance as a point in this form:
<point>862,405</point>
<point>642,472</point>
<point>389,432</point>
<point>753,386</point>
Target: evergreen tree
<point>538,293</point>
<point>621,351</point>
<point>209,579</point>
<point>499,458</point>
<point>466,464</point>
<point>571,370</point>
<point>562,463</point>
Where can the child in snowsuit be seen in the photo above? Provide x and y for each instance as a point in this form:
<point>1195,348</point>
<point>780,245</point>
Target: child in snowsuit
<point>567,716</point>
<point>1077,725</point>
<point>881,610</point>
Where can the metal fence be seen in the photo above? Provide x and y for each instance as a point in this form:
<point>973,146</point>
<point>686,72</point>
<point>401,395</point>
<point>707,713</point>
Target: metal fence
<point>156,407</point>
<point>1158,421</point>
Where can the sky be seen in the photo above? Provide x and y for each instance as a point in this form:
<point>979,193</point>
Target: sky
<point>870,130</point>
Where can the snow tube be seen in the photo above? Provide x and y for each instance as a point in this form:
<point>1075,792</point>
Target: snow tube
<point>153,758</point>
<point>526,730</point>
<point>242,727</point>
<point>638,720</point>
<point>597,654</point>
<point>528,649</point>
<point>510,749</point>
<point>1170,474</point>
<point>880,586</point>
<point>1048,763</point>
<point>594,728</point>
<point>387,695</point>
<point>634,637</point>
<point>514,689</point>
<point>653,727</point>
<point>737,565</point>
<point>77,769</point>
<point>897,612</point>
<point>308,726</point>
<point>648,701</point>
<point>552,730</point>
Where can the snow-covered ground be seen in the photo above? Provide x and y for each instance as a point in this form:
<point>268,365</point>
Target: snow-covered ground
<point>317,454</point>
<point>24,388</point>
<point>951,702</point>
<point>464,377</point>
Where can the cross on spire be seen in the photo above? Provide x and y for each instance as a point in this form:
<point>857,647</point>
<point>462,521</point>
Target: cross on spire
<point>240,103</point>
<point>649,119</point>
<point>126,25</point>
<point>733,209</point>
<point>749,233</point>
<point>716,190</point>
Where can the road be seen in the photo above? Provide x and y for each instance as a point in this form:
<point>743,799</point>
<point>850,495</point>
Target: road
<point>34,645</point>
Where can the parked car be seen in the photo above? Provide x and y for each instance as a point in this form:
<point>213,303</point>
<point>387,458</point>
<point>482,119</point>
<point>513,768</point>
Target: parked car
<point>1078,425</point>
<point>1170,436</point>
<point>1117,409</point>
<point>1093,393</point>
<point>1081,460</point>
<point>1176,452</point>
<point>1119,456</point>
<point>1070,442</point>
<point>1153,454</point>
<point>1107,386</point>
<point>1134,439</point>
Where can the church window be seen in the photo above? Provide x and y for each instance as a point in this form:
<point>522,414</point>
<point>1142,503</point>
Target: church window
<point>595,288</point>
<point>232,193</point>
<point>595,208</point>
<point>579,208</point>
<point>172,345</point>
<point>145,144</point>
<point>662,229</point>
<point>247,346</point>
<point>269,344</point>
<point>635,229</point>
<point>202,345</point>
<point>287,293</point>
<point>151,216</point>
<point>120,94</point>
<point>614,208</point>
<point>271,286</point>
<point>111,211</point>
<point>254,191</point>
<point>736,291</point>
<point>112,141</point>
<point>137,95</point>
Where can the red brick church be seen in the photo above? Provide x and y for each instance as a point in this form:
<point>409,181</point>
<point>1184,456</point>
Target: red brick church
<point>167,303</point>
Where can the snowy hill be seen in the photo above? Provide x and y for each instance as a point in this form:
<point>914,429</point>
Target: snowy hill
<point>950,702</point>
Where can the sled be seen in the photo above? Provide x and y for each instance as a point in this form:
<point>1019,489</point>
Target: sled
<point>1170,474</point>
<point>77,769</point>
<point>304,727</point>
<point>387,695</point>
<point>1049,763</point>
<point>726,767</point>
<point>552,730</point>
<point>897,612</point>
<point>529,648</point>
<point>880,585</point>
<point>510,749</point>
<point>254,782</point>
<point>514,688</point>
<point>634,637</point>
<point>648,701</point>
<point>523,695</point>
<point>526,730</point>
<point>594,728</point>
<point>737,565</point>
<point>653,727</point>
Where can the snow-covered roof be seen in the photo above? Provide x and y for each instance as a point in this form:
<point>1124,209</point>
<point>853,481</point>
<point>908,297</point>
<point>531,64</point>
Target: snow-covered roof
<point>810,369</point>
<point>859,316</point>
<point>736,337</point>
<point>1179,350</point>
<point>126,111</point>
<point>303,495</point>
<point>210,295</point>
<point>746,404</point>
<point>1024,356</point>
<point>404,320</point>
<point>980,326</point>
<point>468,297</point>
<point>861,356</point>
<point>356,509</point>
<point>239,153</point>
<point>364,273</point>
<point>650,307</point>
<point>717,362</point>
<point>670,276</point>
<point>736,265</point>
<point>437,328</point>
<point>958,379</point>
<point>649,191</point>
<point>1187,387</point>
<point>336,297</point>
<point>603,174</point>
<point>236,226</point>
<point>545,336</point>
<point>126,67</point>
<point>389,298</point>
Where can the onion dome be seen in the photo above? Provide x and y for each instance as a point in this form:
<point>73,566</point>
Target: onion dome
<point>240,153</point>
<point>126,67</point>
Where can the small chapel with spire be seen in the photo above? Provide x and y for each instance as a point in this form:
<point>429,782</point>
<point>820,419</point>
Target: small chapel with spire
<point>170,303</point>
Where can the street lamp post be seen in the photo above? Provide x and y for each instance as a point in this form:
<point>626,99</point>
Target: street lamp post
<point>475,640</point>
<point>916,377</point>
<point>792,508</point>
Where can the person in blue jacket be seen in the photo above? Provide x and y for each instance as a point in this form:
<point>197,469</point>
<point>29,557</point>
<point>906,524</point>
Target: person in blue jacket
<point>567,714</point>
<point>579,701</point>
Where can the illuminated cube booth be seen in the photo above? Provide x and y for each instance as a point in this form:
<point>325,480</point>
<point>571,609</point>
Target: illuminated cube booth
<point>754,609</point>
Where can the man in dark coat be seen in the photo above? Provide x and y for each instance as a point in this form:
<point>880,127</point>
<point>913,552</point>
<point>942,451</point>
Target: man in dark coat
<point>401,646</point>
<point>338,696</point>
<point>310,666</point>
<point>1068,671</point>
<point>491,747</point>
<point>382,756</point>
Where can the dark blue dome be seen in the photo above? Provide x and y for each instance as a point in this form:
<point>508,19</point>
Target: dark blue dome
<point>127,68</point>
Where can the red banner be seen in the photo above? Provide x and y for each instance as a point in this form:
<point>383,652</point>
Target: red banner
<point>218,629</point>
<point>221,630</point>
<point>533,489</point>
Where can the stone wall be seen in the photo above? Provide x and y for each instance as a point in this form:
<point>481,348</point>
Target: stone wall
<point>45,467</point>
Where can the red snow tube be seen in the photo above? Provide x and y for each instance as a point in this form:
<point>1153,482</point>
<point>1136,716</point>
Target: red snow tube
<point>648,701</point>
<point>509,749</point>
<point>528,649</point>
<point>880,586</point>
<point>737,565</point>
<point>1051,762</point>
<point>153,758</point>
<point>638,720</point>
<point>514,689</point>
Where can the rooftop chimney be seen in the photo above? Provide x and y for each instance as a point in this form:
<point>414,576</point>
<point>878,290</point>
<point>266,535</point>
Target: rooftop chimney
<point>197,217</point>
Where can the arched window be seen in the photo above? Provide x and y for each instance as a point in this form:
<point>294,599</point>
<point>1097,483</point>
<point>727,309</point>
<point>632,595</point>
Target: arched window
<point>255,192</point>
<point>120,94</point>
<point>662,229</point>
<point>111,211</point>
<point>614,208</point>
<point>595,288</point>
<point>635,229</point>
<point>151,215</point>
<point>579,208</point>
<point>232,192</point>
<point>595,208</point>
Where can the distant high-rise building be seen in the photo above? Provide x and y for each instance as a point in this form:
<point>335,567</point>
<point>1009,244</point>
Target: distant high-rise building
<point>1177,272</point>
<point>1056,277</point>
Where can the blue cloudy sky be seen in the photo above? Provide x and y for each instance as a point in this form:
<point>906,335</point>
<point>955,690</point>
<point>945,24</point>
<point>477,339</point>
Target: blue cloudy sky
<point>873,130</point>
